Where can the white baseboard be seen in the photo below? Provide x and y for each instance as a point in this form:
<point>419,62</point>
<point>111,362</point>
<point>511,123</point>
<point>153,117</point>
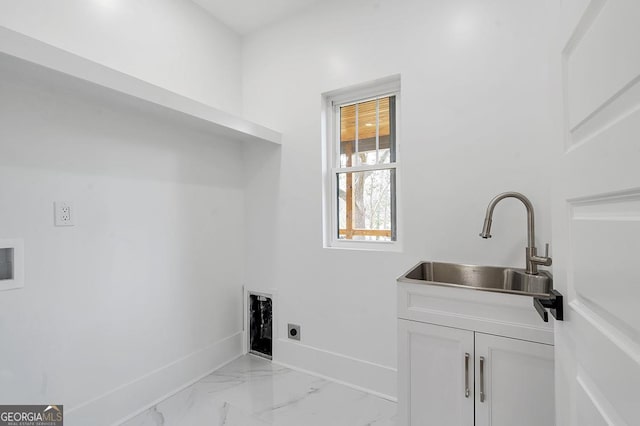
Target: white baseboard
<point>131,399</point>
<point>356,373</point>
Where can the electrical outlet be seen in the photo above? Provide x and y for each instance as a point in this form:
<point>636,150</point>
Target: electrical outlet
<point>293,331</point>
<point>64,214</point>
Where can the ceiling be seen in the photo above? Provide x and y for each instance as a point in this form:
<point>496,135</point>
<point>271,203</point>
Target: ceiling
<point>245,16</point>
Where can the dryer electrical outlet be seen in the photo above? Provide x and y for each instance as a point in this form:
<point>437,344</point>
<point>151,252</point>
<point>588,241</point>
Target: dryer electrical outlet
<point>293,330</point>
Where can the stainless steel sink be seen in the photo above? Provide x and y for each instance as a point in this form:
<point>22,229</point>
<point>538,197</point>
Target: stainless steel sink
<point>486,278</point>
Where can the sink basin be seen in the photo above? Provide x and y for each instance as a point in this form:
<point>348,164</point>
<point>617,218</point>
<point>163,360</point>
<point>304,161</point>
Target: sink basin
<point>486,278</point>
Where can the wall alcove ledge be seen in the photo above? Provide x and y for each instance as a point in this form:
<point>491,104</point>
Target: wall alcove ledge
<point>20,53</point>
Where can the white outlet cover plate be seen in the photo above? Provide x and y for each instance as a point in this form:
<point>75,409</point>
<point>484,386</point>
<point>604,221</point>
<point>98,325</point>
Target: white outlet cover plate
<point>64,213</point>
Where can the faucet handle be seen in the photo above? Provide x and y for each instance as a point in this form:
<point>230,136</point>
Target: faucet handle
<point>546,260</point>
<point>540,260</point>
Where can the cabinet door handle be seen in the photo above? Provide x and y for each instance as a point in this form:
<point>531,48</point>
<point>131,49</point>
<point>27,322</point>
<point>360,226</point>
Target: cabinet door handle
<point>466,375</point>
<point>482,395</point>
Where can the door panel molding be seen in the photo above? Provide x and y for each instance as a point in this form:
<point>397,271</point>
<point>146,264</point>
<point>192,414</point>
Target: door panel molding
<point>593,207</point>
<point>584,23</point>
<point>611,332</point>
<point>604,60</point>
<point>600,269</point>
<point>588,393</point>
<point>622,105</point>
<point>589,15</point>
<point>608,359</point>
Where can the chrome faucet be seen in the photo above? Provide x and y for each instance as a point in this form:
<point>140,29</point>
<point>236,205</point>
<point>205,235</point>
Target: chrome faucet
<point>532,259</point>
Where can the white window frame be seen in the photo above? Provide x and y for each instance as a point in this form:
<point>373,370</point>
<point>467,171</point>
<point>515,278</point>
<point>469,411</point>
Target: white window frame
<point>389,86</point>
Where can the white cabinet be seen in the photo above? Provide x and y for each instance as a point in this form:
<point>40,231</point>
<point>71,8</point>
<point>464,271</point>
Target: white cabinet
<point>468,358</point>
<point>516,378</point>
<point>437,373</point>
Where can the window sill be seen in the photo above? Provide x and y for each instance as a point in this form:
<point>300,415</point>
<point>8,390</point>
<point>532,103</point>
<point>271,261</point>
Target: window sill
<point>392,247</point>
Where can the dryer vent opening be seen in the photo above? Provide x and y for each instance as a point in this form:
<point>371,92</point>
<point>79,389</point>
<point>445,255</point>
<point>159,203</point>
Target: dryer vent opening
<point>260,325</point>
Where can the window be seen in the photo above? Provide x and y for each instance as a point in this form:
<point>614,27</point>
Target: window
<point>362,151</point>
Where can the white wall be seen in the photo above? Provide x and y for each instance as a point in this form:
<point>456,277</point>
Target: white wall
<point>170,43</point>
<point>477,119</point>
<point>144,293</point>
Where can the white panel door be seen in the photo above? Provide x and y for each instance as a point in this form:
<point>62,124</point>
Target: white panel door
<point>435,371</point>
<point>596,231</point>
<point>514,382</point>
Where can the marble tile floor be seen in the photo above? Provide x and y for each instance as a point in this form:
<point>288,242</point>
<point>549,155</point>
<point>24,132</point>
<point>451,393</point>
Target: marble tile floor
<point>251,391</point>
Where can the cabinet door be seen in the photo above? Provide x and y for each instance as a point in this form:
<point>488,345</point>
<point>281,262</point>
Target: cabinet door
<point>435,371</point>
<point>514,382</point>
